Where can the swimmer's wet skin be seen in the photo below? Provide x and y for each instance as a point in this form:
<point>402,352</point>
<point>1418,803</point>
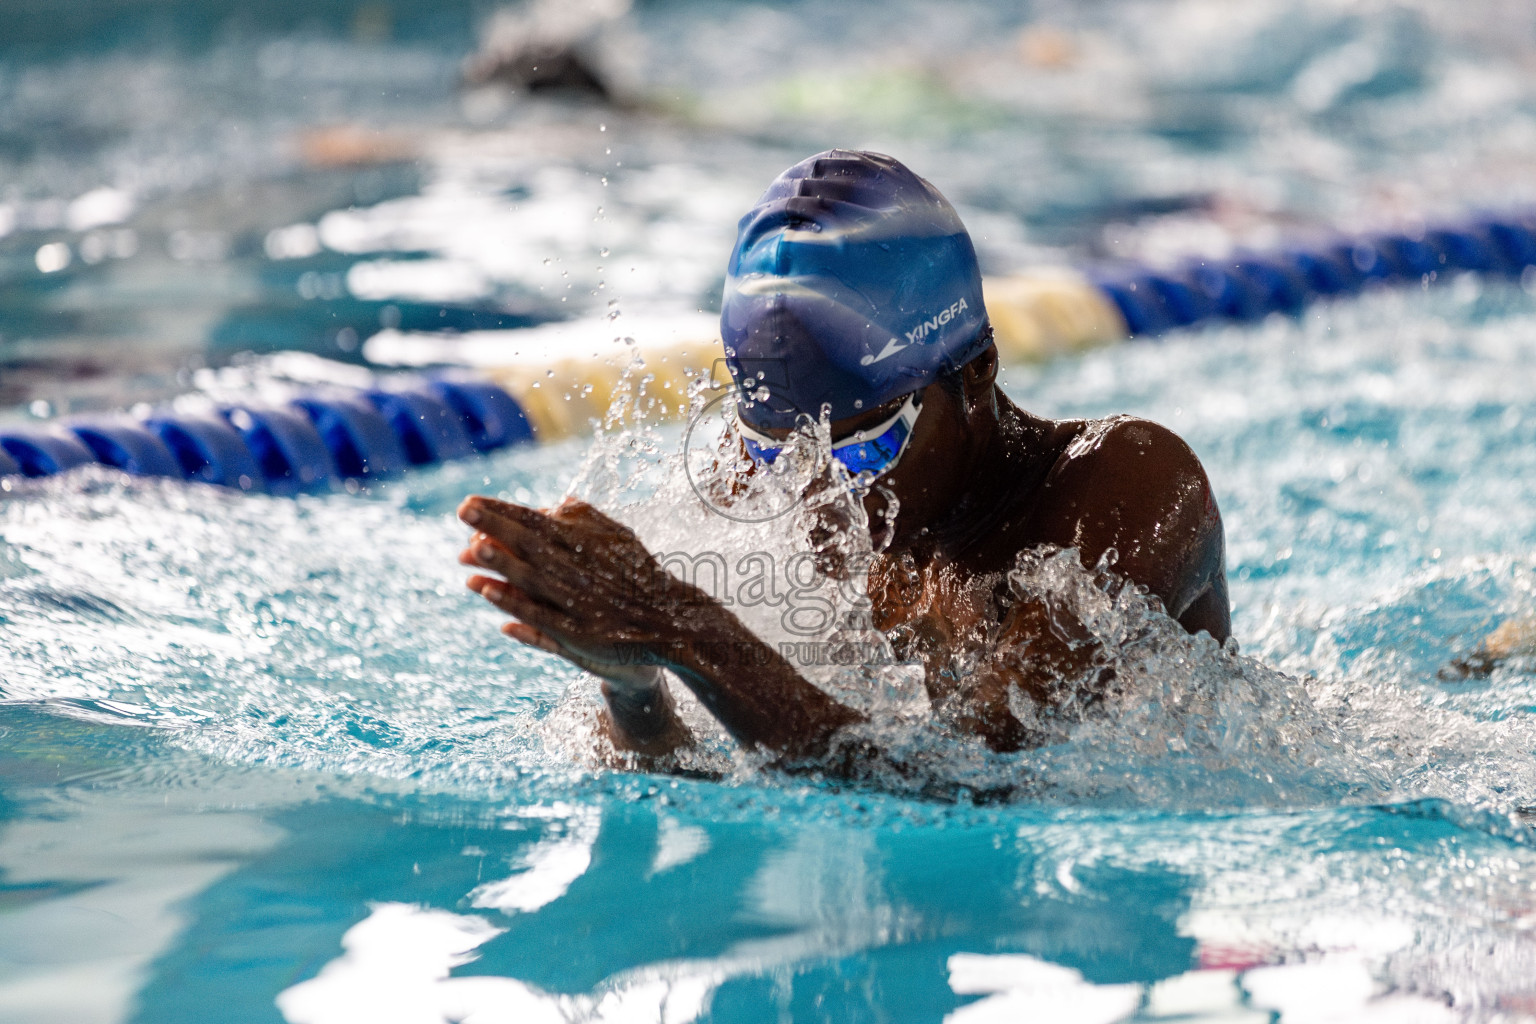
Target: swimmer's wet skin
<point>854,290</point>
<point>1512,638</point>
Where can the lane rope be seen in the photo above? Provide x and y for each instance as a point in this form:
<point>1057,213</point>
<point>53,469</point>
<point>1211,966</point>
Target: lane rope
<point>553,381</point>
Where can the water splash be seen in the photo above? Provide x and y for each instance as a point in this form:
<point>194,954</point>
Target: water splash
<point>1187,724</point>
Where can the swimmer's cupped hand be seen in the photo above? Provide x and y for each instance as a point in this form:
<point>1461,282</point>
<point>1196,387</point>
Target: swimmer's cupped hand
<point>579,585</point>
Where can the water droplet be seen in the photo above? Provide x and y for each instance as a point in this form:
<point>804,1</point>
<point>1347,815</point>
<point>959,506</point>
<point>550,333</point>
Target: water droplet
<point>602,252</point>
<point>858,403</point>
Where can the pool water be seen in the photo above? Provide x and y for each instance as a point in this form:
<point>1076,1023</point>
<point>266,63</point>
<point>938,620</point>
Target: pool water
<point>266,759</point>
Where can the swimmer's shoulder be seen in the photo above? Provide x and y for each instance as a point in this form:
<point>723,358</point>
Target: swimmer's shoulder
<point>1133,485</point>
<point>1121,444</point>
<point>1096,453</point>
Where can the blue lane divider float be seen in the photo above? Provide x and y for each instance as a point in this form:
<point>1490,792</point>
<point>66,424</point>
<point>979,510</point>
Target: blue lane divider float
<point>127,444</point>
<point>428,428</point>
<point>45,450</point>
<point>492,417</point>
<point>357,435</point>
<point>289,451</point>
<point>210,450</point>
<point>1249,286</point>
<point>310,444</point>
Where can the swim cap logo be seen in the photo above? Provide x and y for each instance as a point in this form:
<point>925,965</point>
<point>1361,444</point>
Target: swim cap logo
<point>920,332</point>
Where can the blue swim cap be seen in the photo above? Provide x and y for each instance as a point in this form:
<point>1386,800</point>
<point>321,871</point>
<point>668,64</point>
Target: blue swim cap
<point>852,282</point>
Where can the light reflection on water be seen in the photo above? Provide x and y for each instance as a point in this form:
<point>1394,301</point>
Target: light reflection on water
<point>350,900</point>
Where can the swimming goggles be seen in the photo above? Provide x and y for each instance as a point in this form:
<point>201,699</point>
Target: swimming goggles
<point>866,454</point>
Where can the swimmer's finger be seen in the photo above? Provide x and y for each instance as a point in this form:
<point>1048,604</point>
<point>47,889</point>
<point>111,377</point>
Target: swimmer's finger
<point>493,516</point>
<point>547,578</point>
<point>505,596</point>
<point>578,511</point>
<point>521,606</point>
<point>562,524</point>
<point>574,532</point>
<point>473,554</point>
<point>578,563</point>
<point>526,532</point>
<point>524,633</point>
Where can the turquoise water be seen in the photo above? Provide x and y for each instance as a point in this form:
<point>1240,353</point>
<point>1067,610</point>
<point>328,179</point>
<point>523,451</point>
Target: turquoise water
<point>267,760</point>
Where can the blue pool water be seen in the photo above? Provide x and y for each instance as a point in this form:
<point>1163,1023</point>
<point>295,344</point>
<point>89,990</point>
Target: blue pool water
<point>265,759</point>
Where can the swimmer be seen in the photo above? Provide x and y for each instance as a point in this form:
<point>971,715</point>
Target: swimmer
<point>1512,638</point>
<point>856,278</point>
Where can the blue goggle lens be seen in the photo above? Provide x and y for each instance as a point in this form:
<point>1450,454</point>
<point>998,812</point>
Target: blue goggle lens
<point>764,453</point>
<point>873,455</point>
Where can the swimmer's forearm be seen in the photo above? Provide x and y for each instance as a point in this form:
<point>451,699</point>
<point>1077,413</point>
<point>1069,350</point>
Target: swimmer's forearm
<point>756,694</point>
<point>644,720</point>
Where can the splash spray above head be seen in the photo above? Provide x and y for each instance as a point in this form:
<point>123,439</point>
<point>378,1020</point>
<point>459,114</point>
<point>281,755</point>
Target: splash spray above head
<point>852,283</point>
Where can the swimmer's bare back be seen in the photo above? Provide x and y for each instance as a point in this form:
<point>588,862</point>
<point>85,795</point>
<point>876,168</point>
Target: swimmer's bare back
<point>984,481</point>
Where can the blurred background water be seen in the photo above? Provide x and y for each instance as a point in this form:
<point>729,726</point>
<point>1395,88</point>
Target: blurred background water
<point>180,184</point>
<point>263,759</point>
